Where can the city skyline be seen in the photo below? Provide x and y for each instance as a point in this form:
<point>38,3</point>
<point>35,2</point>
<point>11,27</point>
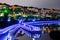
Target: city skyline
<point>34,3</point>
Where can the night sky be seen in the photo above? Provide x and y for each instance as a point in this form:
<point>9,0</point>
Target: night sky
<point>34,3</point>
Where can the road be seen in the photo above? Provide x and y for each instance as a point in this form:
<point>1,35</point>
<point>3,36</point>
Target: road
<point>44,37</point>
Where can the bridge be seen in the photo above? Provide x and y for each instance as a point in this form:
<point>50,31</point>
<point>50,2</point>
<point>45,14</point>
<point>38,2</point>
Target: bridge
<point>27,27</point>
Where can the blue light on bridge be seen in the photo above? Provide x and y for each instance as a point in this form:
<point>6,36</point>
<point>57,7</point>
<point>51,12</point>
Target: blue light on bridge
<point>26,26</point>
<point>33,20</point>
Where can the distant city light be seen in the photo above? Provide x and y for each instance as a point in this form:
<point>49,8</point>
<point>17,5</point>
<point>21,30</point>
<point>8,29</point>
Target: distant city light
<point>9,19</point>
<point>2,14</point>
<point>5,11</point>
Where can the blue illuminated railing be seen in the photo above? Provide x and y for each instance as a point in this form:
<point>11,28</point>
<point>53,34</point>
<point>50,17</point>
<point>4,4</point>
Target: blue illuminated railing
<point>56,22</point>
<point>9,30</point>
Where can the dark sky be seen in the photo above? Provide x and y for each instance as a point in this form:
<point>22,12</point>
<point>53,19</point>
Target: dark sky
<point>35,3</point>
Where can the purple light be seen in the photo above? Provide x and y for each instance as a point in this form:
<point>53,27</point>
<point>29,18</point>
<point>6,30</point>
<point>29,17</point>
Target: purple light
<point>36,35</point>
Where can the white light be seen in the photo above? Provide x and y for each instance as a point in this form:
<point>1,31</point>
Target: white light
<point>33,38</point>
<point>9,19</point>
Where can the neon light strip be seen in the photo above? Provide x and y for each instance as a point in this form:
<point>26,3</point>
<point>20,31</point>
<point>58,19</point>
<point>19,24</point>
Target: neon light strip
<point>43,22</point>
<point>2,31</point>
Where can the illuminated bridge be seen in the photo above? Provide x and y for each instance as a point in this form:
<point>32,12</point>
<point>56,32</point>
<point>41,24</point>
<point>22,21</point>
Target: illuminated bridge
<point>8,33</point>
